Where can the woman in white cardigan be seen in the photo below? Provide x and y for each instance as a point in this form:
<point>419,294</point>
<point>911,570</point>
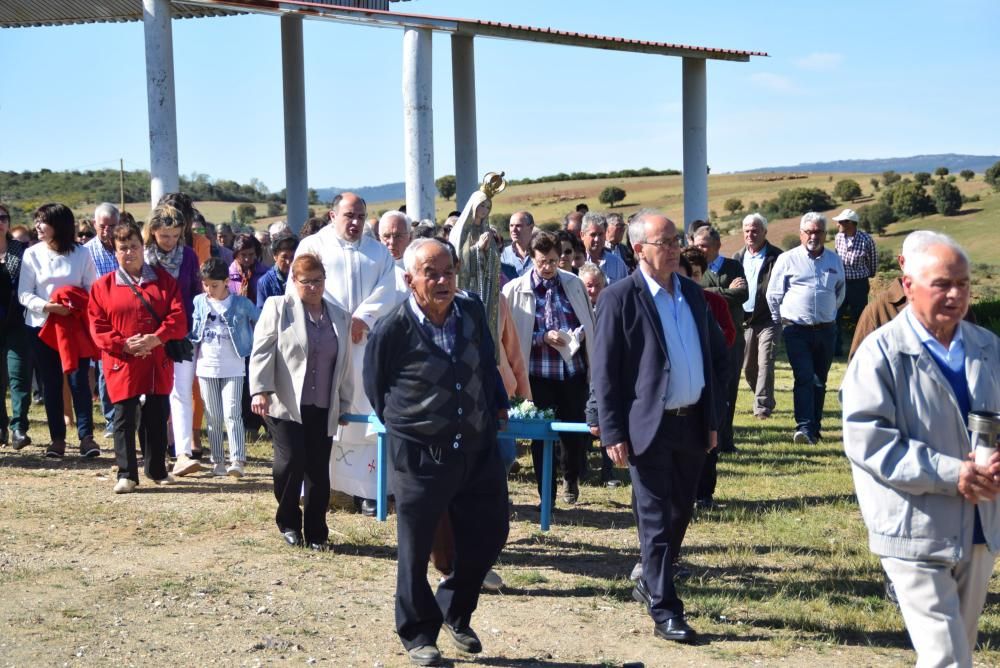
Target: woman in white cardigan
<point>57,261</point>
<point>555,326</point>
<point>301,382</point>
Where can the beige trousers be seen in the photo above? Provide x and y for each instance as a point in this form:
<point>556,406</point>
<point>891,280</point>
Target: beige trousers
<point>941,604</point>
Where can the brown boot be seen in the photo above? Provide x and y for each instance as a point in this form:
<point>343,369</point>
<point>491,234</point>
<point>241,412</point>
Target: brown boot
<point>56,450</point>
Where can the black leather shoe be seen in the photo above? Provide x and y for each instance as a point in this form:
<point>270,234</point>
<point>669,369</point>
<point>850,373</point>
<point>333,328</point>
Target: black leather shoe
<point>4,436</point>
<point>425,655</point>
<point>675,629</point>
<point>319,547</point>
<point>640,594</point>
<point>292,537</point>
<point>369,507</point>
<point>465,639</point>
<point>19,440</point>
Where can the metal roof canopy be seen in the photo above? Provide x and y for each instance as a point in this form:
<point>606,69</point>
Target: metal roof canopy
<point>471,28</point>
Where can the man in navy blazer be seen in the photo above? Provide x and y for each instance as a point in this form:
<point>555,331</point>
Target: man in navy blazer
<point>658,376</point>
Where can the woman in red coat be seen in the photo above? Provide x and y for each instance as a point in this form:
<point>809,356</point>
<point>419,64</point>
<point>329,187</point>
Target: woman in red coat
<point>135,363</point>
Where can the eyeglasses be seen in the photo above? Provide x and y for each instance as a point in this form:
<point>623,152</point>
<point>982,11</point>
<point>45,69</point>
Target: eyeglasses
<point>813,233</point>
<point>311,283</point>
<point>84,235</point>
<point>672,242</point>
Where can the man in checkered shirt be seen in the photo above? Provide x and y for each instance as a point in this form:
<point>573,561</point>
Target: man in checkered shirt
<point>857,251</point>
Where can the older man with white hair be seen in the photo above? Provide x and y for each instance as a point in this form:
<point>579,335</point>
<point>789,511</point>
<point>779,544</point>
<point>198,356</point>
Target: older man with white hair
<point>594,232</point>
<point>928,502</point>
<point>102,249</point>
<point>804,293</point>
<point>395,231</point>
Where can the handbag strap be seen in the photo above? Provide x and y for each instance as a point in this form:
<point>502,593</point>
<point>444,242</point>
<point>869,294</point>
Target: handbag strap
<point>135,291</point>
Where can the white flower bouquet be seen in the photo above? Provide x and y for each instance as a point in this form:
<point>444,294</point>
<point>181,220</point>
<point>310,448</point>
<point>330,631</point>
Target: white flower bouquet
<point>522,409</point>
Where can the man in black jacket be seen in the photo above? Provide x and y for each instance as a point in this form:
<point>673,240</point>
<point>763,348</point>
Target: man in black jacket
<point>762,334</point>
<point>431,376</point>
<point>657,378</point>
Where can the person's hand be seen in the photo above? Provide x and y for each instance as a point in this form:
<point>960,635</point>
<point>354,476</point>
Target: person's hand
<point>713,441</point>
<point>552,338</point>
<point>738,283</point>
<point>618,453</point>
<point>262,402</point>
<point>976,483</point>
<point>133,346</point>
<point>149,341</point>
<point>57,308</point>
<point>358,330</point>
<point>595,431</point>
<point>484,241</point>
<point>343,422</point>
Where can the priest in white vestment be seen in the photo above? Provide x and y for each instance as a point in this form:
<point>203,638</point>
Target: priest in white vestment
<point>360,278</point>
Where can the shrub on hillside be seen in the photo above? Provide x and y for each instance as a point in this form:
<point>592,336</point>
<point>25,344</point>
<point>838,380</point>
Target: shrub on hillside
<point>941,172</point>
<point>246,213</point>
<point>273,209</point>
<point>754,206</point>
<point>967,174</point>
<point>947,198</point>
<point>889,177</point>
<point>923,178</point>
<point>501,221</point>
<point>907,199</point>
<point>797,201</point>
<point>847,189</point>
<point>874,218</point>
<point>992,176</point>
<point>790,241</point>
<point>875,184</point>
<point>732,205</point>
<point>987,314</point>
<point>887,260</point>
<point>611,195</point>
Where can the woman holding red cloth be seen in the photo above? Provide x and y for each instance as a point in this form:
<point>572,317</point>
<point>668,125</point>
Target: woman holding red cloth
<point>133,312</point>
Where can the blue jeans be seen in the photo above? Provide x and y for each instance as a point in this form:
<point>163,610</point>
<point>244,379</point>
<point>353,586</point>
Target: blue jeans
<point>810,352</point>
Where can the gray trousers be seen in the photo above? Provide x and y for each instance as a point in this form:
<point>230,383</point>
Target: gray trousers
<point>941,604</point>
<point>758,364</point>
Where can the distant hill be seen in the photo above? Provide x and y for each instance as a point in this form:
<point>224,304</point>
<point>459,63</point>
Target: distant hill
<point>916,163</point>
<point>381,193</point>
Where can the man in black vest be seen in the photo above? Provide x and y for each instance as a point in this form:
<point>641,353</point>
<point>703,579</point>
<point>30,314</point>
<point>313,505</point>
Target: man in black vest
<point>431,376</point>
<point>659,377</point>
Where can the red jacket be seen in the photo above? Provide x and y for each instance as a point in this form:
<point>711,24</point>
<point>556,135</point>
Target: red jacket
<point>68,334</point>
<point>116,314</point>
<point>720,309</point>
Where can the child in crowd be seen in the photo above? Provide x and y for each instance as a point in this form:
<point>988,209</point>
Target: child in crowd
<point>222,331</point>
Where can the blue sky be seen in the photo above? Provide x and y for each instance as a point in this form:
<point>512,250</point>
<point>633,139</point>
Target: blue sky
<point>846,79</point>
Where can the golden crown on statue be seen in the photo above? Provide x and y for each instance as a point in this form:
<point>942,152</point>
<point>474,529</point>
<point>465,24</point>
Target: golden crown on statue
<point>493,183</point>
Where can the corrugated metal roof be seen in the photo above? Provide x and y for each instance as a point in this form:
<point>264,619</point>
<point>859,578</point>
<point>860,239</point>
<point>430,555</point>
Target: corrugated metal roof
<point>29,13</point>
<point>19,13</point>
<point>474,27</point>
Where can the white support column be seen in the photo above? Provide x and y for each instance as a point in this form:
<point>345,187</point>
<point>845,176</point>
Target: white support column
<point>418,123</point>
<point>294,88</point>
<point>463,82</point>
<point>695,143</point>
<point>160,98</point>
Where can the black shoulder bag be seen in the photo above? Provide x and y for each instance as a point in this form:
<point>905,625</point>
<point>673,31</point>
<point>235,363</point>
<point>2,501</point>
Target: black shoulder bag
<point>179,350</point>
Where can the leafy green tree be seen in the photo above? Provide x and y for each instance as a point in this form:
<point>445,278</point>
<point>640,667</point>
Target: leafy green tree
<point>967,174</point>
<point>754,206</point>
<point>446,186</point>
<point>889,177</point>
<point>875,217</point>
<point>732,205</point>
<point>273,209</point>
<point>875,184</point>
<point>847,189</point>
<point>992,176</point>
<point>797,201</point>
<point>611,195</point>
<point>941,172</point>
<point>908,199</point>
<point>947,198</point>
<point>246,213</point>
<point>923,178</point>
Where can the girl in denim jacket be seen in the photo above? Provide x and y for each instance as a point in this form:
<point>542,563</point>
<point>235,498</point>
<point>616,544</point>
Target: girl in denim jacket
<point>222,331</point>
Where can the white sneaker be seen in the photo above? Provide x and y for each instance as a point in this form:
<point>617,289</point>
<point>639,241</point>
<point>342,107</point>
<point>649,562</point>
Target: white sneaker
<point>125,486</point>
<point>492,581</point>
<point>235,469</point>
<point>169,480</point>
<point>219,468</point>
<point>185,465</point>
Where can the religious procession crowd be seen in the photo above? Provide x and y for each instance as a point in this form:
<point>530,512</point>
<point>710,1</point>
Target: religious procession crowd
<point>643,333</point>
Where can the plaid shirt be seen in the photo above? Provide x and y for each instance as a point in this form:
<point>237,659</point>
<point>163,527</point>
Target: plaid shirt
<point>858,255</point>
<point>443,336</point>
<point>545,361</point>
<point>104,259</point>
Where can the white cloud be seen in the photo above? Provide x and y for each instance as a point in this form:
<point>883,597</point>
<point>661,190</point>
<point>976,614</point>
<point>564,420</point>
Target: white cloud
<point>773,82</point>
<point>820,62</point>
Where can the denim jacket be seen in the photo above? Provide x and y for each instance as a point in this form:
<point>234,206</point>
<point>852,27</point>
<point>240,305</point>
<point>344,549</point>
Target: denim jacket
<point>240,318</point>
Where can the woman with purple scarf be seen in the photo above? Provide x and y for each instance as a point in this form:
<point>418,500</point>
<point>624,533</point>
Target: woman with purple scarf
<point>164,249</point>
